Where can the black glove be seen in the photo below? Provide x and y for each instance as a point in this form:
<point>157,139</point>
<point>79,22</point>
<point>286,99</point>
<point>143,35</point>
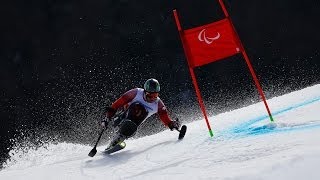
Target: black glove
<point>174,125</point>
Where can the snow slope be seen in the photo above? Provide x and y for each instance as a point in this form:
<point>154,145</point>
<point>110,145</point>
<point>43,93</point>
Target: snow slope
<point>246,146</point>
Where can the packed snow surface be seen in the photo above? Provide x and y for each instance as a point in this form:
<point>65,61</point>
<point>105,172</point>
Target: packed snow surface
<point>246,145</point>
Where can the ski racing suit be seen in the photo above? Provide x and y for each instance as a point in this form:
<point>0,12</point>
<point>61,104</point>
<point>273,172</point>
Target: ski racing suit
<point>137,111</point>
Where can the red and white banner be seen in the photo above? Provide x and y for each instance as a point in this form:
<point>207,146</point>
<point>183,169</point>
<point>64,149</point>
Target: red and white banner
<point>211,42</point>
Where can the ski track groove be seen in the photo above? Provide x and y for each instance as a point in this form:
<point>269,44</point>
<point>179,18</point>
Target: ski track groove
<point>161,168</point>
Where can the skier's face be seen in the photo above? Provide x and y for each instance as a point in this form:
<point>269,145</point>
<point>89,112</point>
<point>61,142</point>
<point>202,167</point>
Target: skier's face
<point>151,97</point>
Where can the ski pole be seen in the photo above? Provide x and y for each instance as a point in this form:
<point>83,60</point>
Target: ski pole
<point>182,131</point>
<point>94,150</point>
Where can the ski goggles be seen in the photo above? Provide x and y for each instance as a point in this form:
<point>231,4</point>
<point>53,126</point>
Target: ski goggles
<point>151,96</point>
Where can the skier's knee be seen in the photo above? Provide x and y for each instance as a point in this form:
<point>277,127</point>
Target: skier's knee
<point>128,128</point>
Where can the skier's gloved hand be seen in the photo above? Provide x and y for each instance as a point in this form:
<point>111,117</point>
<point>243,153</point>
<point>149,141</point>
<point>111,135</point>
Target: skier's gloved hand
<point>104,122</point>
<point>110,112</point>
<point>174,125</point>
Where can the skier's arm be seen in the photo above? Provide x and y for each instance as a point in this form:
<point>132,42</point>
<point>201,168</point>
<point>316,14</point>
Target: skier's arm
<point>163,114</point>
<point>122,101</point>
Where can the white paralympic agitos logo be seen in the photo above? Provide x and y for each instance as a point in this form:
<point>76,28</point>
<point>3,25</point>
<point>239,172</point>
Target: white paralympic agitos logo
<point>202,37</point>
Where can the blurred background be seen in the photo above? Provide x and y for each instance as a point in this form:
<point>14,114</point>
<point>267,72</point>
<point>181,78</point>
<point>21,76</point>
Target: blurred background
<point>63,62</point>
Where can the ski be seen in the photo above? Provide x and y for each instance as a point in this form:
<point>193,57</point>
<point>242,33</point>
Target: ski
<point>115,148</point>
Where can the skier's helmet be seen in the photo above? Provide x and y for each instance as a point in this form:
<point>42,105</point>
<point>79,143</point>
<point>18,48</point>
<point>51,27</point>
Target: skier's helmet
<point>152,86</point>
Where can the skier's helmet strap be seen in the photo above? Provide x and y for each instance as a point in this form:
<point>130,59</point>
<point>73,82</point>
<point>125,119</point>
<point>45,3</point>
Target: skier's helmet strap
<point>152,85</point>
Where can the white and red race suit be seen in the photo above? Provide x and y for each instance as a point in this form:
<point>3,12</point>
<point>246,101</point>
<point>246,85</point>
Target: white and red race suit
<point>136,95</point>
